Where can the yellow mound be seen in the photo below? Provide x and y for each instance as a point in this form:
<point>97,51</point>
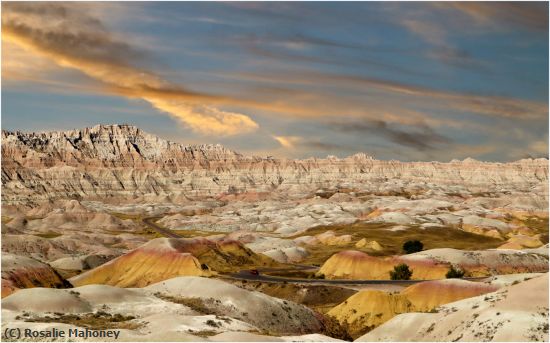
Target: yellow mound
<point>521,242</point>
<point>428,295</point>
<point>368,309</point>
<point>141,268</point>
<point>358,265</point>
<point>374,245</point>
<point>166,258</point>
<point>493,233</point>
<point>330,238</point>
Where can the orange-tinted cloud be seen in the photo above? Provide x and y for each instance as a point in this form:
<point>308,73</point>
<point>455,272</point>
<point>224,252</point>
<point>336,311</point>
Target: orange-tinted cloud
<point>72,39</point>
<point>497,106</point>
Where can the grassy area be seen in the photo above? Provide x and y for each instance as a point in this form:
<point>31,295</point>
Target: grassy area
<point>190,233</point>
<point>538,224</point>
<point>208,306</point>
<point>392,241</point>
<point>48,235</point>
<point>318,297</point>
<point>196,304</point>
<point>151,234</point>
<point>99,320</point>
<point>195,233</point>
<point>124,216</point>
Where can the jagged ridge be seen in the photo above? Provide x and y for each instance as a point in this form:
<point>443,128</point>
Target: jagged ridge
<point>124,161</point>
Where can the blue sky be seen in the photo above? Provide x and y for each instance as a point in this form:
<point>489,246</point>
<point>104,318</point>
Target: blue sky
<point>407,81</point>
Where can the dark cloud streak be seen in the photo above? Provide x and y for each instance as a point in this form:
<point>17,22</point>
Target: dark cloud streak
<point>421,138</point>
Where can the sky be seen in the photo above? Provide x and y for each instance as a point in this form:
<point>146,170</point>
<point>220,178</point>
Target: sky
<point>411,81</point>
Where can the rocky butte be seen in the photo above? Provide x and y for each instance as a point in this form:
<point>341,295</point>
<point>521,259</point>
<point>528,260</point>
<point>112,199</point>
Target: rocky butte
<point>124,162</point>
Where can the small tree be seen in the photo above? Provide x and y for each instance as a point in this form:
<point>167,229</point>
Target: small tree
<point>401,272</point>
<point>454,273</point>
<point>413,246</point>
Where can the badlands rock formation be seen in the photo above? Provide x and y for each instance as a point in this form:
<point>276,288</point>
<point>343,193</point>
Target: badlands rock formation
<point>514,313</point>
<point>79,205</point>
<point>493,261</point>
<point>23,272</point>
<point>166,258</point>
<point>358,265</point>
<point>179,309</point>
<point>125,162</point>
<point>428,295</point>
<point>435,263</point>
<point>368,309</point>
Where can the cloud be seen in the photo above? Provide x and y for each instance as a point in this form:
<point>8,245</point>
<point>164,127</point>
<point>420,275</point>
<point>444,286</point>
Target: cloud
<point>539,147</point>
<point>298,146</point>
<point>288,142</point>
<point>530,15</point>
<point>206,119</point>
<point>440,23</point>
<point>430,32</point>
<point>421,138</point>
<point>72,39</point>
<point>430,99</point>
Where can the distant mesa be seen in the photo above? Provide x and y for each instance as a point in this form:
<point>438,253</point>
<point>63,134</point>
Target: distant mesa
<point>92,163</point>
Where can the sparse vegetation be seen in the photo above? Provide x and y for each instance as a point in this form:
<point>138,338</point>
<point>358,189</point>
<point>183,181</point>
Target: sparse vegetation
<point>392,241</point>
<point>48,235</point>
<point>413,246</point>
<point>99,320</point>
<point>196,304</point>
<point>333,328</point>
<point>203,333</point>
<point>454,273</point>
<point>320,298</point>
<point>213,323</point>
<point>401,272</point>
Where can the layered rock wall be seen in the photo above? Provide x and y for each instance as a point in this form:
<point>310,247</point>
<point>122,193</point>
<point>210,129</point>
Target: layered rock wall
<point>121,161</point>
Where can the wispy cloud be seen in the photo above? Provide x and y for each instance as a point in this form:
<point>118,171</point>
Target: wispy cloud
<point>73,39</point>
<point>434,99</point>
<point>429,31</point>
<point>530,15</point>
<point>288,142</point>
<point>420,137</point>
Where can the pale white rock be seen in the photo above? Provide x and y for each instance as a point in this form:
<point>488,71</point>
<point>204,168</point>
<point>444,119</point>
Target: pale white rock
<point>514,313</point>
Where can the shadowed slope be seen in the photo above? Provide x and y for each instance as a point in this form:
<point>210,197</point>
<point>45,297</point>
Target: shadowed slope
<point>24,272</point>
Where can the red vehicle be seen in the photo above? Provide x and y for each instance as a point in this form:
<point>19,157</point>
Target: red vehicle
<point>254,272</point>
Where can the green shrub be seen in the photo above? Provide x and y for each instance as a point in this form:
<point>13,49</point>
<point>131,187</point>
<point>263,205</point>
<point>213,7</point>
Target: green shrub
<point>401,272</point>
<point>454,273</point>
<point>413,246</point>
